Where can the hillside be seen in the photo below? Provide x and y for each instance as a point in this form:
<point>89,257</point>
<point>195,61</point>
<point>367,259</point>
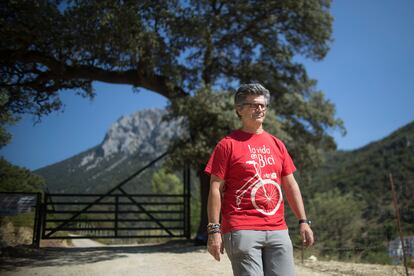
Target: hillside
<point>364,173</point>
<point>128,145</point>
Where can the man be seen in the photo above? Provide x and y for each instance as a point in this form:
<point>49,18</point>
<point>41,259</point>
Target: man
<point>249,169</point>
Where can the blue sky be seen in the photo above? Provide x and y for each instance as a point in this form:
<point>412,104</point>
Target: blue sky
<point>368,75</point>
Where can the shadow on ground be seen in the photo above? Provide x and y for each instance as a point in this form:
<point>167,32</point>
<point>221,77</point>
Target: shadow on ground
<point>14,257</point>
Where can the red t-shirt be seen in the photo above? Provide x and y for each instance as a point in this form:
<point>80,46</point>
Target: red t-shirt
<point>252,166</point>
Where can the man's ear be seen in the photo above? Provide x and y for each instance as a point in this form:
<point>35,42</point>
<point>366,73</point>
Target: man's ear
<point>237,111</point>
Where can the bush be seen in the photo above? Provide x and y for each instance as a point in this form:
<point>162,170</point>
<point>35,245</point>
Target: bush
<point>377,257</point>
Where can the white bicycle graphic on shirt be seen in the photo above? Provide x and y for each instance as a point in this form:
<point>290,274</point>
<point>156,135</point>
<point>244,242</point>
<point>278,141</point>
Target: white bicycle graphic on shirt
<point>266,195</point>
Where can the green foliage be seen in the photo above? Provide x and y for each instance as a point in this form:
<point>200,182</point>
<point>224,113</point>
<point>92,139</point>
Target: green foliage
<point>209,117</point>
<point>20,220</point>
<point>167,183</point>
<point>364,174</point>
<point>377,257</point>
<point>195,211</point>
<point>169,47</point>
<point>306,117</point>
<point>16,179</point>
<point>6,118</point>
<point>337,219</point>
<point>178,50</point>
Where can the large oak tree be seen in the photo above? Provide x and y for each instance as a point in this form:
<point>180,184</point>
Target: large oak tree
<point>191,52</point>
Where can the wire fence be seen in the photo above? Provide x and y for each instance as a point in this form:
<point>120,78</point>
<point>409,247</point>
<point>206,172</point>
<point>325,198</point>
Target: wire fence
<point>383,252</point>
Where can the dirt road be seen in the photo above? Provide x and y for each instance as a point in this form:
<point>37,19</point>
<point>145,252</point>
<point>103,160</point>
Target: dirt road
<point>85,243</point>
<point>173,258</point>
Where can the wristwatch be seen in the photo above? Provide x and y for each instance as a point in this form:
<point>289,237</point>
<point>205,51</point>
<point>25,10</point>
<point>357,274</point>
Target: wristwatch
<point>305,221</point>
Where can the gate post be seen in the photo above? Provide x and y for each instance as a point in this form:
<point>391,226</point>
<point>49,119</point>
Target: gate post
<point>37,229</point>
<point>187,201</point>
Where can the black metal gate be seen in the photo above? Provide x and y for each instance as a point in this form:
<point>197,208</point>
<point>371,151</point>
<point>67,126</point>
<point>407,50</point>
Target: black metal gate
<point>117,214</point>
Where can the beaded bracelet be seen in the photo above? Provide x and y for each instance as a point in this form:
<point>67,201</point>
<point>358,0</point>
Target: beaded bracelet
<point>214,231</point>
<point>213,228</point>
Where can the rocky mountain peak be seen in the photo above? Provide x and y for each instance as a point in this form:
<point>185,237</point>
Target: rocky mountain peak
<point>128,145</point>
<point>143,132</point>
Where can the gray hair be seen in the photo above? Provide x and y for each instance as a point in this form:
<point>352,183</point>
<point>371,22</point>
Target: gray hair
<point>250,89</point>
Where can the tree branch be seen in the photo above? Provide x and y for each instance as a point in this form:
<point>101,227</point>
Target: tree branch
<point>136,77</point>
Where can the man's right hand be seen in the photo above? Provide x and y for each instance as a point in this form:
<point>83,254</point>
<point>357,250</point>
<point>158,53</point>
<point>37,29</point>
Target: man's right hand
<point>215,245</point>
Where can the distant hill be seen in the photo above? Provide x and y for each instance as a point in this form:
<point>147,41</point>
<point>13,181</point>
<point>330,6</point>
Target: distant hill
<point>128,145</point>
<point>364,173</point>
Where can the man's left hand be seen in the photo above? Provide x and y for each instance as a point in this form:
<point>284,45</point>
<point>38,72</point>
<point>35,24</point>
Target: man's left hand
<point>306,234</point>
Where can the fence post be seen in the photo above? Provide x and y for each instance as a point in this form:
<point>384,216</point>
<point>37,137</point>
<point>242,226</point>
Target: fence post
<point>43,220</point>
<point>397,215</point>
<point>37,228</point>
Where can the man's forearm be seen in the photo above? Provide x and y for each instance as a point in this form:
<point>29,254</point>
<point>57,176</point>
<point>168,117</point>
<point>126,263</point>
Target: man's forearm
<point>215,242</point>
<point>294,196</point>
<point>214,203</point>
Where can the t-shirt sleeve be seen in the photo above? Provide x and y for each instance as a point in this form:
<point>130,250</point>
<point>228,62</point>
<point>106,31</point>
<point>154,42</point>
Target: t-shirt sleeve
<point>288,167</point>
<point>217,165</point>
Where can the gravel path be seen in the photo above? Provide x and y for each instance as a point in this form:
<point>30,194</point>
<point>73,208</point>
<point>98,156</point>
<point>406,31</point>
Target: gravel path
<point>173,258</point>
<point>85,243</point>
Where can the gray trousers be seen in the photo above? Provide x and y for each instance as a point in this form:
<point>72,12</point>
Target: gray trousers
<point>259,253</point>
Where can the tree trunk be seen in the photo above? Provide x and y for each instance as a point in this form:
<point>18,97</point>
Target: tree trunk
<point>204,178</point>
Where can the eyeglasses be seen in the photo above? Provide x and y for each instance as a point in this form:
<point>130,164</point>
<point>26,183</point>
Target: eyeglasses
<point>256,106</point>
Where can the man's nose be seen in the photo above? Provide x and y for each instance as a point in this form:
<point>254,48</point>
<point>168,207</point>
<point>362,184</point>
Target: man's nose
<point>260,107</point>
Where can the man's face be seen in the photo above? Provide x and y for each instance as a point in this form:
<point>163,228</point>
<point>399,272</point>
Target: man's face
<point>253,109</point>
